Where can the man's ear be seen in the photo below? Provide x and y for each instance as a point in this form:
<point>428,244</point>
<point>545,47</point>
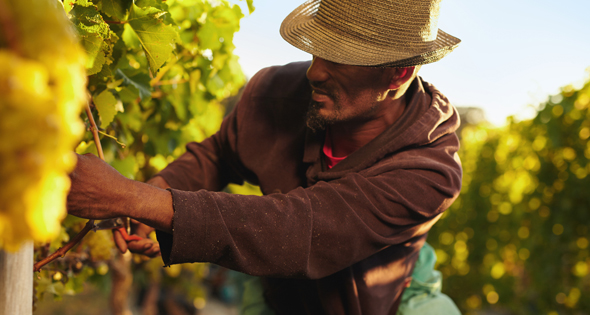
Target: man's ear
<point>401,76</point>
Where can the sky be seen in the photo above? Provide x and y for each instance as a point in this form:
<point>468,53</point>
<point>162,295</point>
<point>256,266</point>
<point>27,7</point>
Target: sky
<point>513,55</point>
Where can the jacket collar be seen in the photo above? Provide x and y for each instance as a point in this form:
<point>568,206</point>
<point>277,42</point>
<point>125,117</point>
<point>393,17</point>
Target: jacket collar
<point>422,122</point>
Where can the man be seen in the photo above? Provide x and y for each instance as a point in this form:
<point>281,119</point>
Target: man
<point>356,157</point>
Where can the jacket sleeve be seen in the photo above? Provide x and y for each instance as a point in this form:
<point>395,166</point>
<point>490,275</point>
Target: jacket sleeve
<point>316,231</point>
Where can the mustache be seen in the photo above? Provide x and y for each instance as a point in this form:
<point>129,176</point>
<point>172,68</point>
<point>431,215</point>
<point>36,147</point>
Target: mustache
<point>322,87</point>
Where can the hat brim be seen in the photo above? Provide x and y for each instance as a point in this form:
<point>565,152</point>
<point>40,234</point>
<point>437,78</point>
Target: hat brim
<point>303,31</point>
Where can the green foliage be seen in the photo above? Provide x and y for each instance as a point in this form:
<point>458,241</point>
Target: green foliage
<point>116,9</point>
<point>95,35</point>
<point>155,37</point>
<point>517,237</point>
<point>105,104</point>
<point>158,71</point>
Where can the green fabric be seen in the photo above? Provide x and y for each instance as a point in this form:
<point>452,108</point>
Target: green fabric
<point>253,298</point>
<point>422,297</point>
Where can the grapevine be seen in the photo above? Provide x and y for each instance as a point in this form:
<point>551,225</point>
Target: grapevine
<point>518,236</point>
<point>156,72</point>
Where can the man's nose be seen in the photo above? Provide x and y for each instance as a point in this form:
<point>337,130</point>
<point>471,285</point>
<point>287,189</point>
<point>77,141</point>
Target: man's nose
<point>318,71</point>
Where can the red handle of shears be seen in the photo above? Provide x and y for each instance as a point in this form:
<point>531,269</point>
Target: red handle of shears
<point>128,237</point>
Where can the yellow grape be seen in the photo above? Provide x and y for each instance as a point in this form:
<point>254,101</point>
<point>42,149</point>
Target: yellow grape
<point>42,88</point>
<point>100,245</point>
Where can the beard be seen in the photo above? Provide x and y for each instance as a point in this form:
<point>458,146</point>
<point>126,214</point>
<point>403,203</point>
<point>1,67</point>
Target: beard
<point>314,120</point>
<point>367,105</point>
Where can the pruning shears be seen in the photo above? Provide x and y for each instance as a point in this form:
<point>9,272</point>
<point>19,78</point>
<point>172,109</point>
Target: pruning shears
<point>120,224</point>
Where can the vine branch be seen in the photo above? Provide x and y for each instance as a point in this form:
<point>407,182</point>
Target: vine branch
<point>94,130</point>
<point>115,22</point>
<point>90,224</point>
<point>8,27</point>
<point>63,250</point>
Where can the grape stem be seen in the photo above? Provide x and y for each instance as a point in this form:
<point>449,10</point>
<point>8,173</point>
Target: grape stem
<point>90,224</point>
<point>115,22</point>
<point>63,250</point>
<point>123,145</point>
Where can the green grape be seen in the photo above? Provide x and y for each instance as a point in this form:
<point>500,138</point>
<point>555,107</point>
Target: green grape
<point>42,83</point>
<point>100,245</point>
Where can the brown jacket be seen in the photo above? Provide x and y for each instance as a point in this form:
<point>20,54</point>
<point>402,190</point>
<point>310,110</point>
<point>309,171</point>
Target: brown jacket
<point>338,241</point>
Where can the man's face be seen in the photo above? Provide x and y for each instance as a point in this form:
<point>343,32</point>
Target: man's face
<point>344,93</point>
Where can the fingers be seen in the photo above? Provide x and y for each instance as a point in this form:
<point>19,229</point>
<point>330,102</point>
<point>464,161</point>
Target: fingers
<point>154,251</point>
<point>134,221</point>
<point>145,247</point>
<point>120,242</point>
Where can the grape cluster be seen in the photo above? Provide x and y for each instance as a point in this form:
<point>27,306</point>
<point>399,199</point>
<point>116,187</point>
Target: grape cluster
<point>100,245</point>
<point>42,88</point>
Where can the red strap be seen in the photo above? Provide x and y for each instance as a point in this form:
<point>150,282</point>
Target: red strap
<point>128,237</point>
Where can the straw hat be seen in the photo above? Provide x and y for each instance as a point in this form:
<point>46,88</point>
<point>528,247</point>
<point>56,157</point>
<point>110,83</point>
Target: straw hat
<point>396,33</point>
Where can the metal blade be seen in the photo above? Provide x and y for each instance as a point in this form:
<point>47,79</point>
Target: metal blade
<point>109,224</point>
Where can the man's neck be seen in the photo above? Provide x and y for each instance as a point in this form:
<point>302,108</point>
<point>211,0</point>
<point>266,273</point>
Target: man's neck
<point>350,136</point>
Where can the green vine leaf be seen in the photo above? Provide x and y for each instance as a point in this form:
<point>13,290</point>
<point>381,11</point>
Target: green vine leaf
<point>92,43</point>
<point>150,3</point>
<point>127,166</point>
<point>117,9</point>
<point>106,104</point>
<point>140,81</point>
<point>86,147</point>
<point>129,38</point>
<point>129,94</point>
<point>220,22</point>
<point>157,39</point>
<point>96,37</point>
<point>250,6</point>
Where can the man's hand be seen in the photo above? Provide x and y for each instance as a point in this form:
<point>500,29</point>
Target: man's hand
<point>146,246</point>
<point>98,191</point>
